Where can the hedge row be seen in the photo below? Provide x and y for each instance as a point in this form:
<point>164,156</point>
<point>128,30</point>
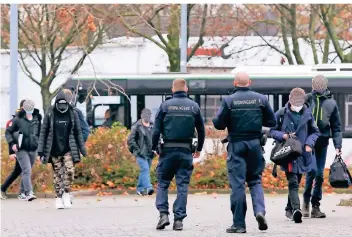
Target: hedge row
<point>109,164</point>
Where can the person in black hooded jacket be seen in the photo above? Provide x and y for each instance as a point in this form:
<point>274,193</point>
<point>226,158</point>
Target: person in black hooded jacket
<point>22,136</point>
<point>61,143</point>
<point>327,117</point>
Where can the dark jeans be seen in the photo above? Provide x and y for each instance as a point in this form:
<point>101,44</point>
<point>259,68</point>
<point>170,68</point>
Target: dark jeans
<point>176,162</point>
<point>245,163</point>
<point>318,177</point>
<point>12,177</point>
<point>293,186</point>
<point>144,174</point>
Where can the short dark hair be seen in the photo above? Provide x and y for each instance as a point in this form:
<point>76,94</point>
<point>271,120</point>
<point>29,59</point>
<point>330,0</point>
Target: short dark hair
<point>22,102</point>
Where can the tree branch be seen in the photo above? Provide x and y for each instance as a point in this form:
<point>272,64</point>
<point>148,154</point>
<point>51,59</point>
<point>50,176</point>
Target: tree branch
<point>201,34</point>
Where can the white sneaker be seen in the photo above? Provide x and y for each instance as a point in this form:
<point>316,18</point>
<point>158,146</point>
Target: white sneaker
<point>59,204</point>
<point>66,199</point>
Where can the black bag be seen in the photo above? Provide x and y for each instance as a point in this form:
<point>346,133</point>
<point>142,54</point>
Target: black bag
<point>286,151</point>
<point>339,176</point>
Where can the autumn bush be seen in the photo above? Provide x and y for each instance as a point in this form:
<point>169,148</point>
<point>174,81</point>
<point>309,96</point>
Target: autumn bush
<point>110,165</point>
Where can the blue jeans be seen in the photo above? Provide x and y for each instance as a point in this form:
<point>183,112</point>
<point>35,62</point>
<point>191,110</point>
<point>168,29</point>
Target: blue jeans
<point>317,176</point>
<point>144,174</point>
<point>245,163</point>
<point>176,162</point>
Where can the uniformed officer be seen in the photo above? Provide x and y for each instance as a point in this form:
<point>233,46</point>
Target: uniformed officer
<point>243,114</point>
<point>176,120</point>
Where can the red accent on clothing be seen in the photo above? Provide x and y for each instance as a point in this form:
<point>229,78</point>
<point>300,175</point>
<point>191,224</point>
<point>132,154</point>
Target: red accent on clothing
<point>290,167</point>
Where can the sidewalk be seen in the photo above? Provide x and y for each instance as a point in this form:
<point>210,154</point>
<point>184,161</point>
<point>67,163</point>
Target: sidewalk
<point>208,215</point>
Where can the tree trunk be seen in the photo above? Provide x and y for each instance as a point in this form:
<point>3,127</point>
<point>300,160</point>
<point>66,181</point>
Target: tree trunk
<point>326,49</point>
<point>174,59</point>
<point>284,37</point>
<point>46,96</point>
<point>296,51</point>
<point>312,35</point>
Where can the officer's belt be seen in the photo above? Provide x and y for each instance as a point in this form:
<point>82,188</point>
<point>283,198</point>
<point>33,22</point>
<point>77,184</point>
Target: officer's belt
<point>177,145</point>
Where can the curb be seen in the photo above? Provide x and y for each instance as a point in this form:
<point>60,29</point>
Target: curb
<point>109,192</point>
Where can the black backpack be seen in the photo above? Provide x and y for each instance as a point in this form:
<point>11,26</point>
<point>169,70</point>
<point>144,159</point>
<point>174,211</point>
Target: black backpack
<point>339,176</point>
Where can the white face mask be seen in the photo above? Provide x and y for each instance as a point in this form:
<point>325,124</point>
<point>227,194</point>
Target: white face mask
<point>297,108</point>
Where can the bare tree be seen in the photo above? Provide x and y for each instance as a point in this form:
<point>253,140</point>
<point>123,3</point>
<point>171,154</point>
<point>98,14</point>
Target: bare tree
<point>47,32</point>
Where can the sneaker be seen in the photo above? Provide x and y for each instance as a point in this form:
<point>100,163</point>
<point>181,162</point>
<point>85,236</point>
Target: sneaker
<point>178,225</point>
<point>297,216</point>
<point>289,215</point>
<point>58,203</point>
<point>139,193</point>
<point>305,210</point>
<point>30,197</point>
<point>3,195</point>
<point>262,224</point>
<point>66,199</point>
<point>163,221</point>
<point>234,230</point>
<point>22,197</point>
<point>316,213</point>
<point>150,192</point>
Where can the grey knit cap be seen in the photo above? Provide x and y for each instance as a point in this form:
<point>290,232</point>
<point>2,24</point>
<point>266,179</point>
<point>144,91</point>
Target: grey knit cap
<point>297,97</point>
<point>146,115</point>
<point>28,105</point>
<point>320,83</point>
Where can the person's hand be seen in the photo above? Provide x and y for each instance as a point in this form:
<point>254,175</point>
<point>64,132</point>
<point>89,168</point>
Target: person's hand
<point>12,156</point>
<point>338,152</point>
<point>285,136</point>
<point>196,154</point>
<point>155,154</point>
<point>308,148</point>
<point>14,148</point>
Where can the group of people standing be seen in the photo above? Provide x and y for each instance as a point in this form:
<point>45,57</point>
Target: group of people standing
<point>58,139</point>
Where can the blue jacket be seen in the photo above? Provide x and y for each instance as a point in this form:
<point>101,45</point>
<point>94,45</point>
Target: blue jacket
<point>83,123</point>
<point>307,133</point>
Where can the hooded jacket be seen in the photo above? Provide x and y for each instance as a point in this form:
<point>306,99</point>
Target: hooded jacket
<point>30,130</point>
<point>327,117</point>
<point>306,132</point>
<point>76,142</point>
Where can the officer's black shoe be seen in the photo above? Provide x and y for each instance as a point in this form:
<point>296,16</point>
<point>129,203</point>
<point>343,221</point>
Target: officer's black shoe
<point>178,225</point>
<point>297,216</point>
<point>150,192</point>
<point>262,224</point>
<point>235,230</point>
<point>164,221</point>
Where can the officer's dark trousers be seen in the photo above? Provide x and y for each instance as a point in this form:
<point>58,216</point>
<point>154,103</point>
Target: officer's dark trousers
<point>245,163</point>
<point>176,162</point>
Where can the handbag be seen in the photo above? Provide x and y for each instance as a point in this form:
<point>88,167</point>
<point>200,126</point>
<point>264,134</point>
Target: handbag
<point>339,176</point>
<point>286,151</point>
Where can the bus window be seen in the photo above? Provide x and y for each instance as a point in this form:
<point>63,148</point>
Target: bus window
<point>99,114</point>
<point>152,102</point>
<point>348,111</point>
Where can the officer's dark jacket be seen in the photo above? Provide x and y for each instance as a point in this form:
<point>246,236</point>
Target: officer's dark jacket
<point>176,120</point>
<point>327,117</point>
<point>244,113</point>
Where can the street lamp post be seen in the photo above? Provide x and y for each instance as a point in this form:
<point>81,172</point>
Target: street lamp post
<point>14,57</point>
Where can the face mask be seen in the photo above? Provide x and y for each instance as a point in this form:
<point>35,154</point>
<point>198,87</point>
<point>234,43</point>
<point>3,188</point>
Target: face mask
<point>29,112</point>
<point>297,108</point>
<point>62,107</point>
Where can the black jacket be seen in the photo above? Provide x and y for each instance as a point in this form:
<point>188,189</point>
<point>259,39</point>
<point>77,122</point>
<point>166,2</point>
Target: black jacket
<point>327,118</point>
<point>76,141</point>
<point>140,140</point>
<point>30,130</point>
<point>244,113</point>
<point>177,119</point>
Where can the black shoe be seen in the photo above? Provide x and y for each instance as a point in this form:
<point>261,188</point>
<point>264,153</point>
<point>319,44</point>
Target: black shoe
<point>164,221</point>
<point>178,225</point>
<point>289,215</point>
<point>316,213</point>
<point>297,216</point>
<point>262,224</point>
<point>150,192</point>
<point>233,229</point>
